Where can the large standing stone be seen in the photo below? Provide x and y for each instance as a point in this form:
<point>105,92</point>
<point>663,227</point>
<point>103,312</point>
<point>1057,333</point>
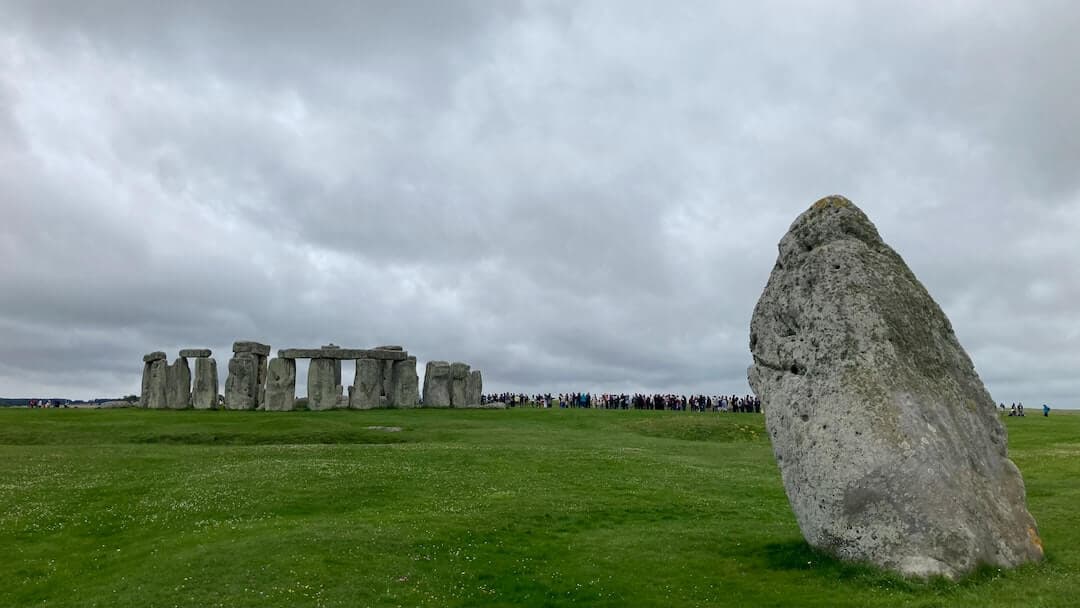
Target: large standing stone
<point>281,385</point>
<point>437,384</point>
<point>474,387</point>
<point>367,385</point>
<point>459,376</point>
<point>260,381</point>
<point>890,448</point>
<point>241,391</point>
<point>204,394</point>
<point>404,384</point>
<point>155,383</point>
<point>258,353</point>
<point>337,370</point>
<point>178,385</point>
<point>387,371</point>
<point>324,391</point>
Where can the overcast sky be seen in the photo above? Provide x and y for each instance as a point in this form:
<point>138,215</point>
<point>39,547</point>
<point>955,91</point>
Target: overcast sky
<point>566,195</point>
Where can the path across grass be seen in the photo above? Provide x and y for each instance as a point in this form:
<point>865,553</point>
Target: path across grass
<point>457,508</point>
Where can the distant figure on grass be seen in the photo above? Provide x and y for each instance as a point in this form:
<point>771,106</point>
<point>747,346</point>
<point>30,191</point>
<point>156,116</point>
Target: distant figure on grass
<point>1046,410</point>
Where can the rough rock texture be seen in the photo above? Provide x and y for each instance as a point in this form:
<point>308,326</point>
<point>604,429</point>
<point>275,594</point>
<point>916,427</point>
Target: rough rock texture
<point>474,387</point>
<point>154,384</point>
<point>281,385</point>
<point>204,392</point>
<point>157,355</point>
<point>366,390</point>
<point>437,384</point>
<point>144,393</point>
<point>388,370</point>
<point>323,388</point>
<point>404,384</point>
<point>256,348</point>
<point>337,362</point>
<point>241,391</point>
<point>890,448</point>
<point>178,385</point>
<point>459,376</point>
<point>194,353</point>
<point>260,381</point>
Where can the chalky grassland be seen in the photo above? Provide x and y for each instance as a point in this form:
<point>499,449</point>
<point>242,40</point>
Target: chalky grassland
<point>460,508</point>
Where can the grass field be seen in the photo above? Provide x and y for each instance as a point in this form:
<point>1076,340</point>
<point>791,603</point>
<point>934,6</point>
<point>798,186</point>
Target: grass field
<point>458,508</point>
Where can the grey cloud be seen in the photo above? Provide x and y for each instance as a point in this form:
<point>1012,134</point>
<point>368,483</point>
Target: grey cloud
<point>567,195</point>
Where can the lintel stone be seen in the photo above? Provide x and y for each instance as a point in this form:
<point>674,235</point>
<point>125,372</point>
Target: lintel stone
<point>341,353</point>
<point>251,347</point>
<point>154,356</point>
<point>195,352</point>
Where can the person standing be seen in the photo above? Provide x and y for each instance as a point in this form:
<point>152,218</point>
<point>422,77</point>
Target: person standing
<point>1046,410</point>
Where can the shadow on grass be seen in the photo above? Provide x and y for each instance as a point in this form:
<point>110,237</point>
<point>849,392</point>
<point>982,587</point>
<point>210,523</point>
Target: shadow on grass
<point>799,555</point>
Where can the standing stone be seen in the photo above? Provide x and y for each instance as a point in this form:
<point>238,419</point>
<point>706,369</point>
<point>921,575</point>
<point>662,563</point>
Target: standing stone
<point>337,370</point>
<point>459,376</point>
<point>437,384</point>
<point>205,390</point>
<point>404,384</point>
<point>260,381</point>
<point>258,353</point>
<point>156,384</point>
<point>241,391</point>
<point>474,387</point>
<point>324,391</point>
<point>387,371</point>
<point>890,448</point>
<point>367,386</point>
<point>281,385</point>
<point>148,361</point>
<point>178,385</point>
<point>144,392</point>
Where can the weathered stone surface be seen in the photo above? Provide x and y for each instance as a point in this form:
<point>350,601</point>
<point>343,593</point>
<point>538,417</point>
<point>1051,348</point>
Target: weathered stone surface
<point>144,392</point>
<point>204,392</point>
<point>256,348</point>
<point>281,385</point>
<point>260,381</point>
<point>474,387</point>
<point>437,384</point>
<point>388,370</point>
<point>337,362</point>
<point>157,355</point>
<point>367,385</point>
<point>241,391</point>
<point>155,384</point>
<point>404,384</point>
<point>340,354</point>
<point>323,389</point>
<point>178,385</point>
<point>890,448</point>
<point>459,377</point>
<point>195,353</point>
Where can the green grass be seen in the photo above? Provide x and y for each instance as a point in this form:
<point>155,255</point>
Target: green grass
<point>459,508</point>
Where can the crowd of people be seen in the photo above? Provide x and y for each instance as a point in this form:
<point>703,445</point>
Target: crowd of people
<point>623,401</point>
<point>36,403</point>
